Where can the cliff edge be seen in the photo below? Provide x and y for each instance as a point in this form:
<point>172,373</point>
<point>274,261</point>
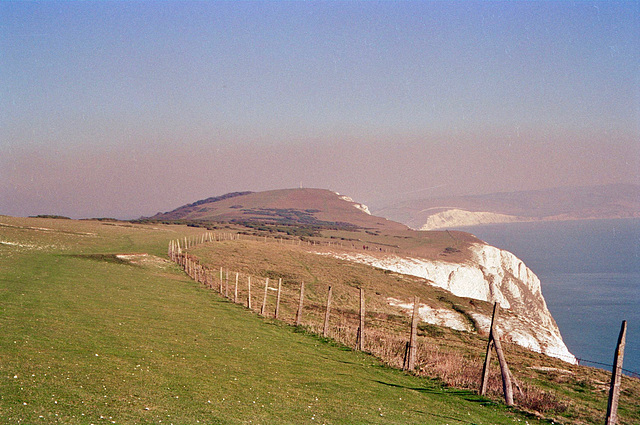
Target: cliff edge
<point>491,275</point>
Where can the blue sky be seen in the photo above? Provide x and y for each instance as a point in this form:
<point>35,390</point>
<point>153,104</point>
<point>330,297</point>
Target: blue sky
<point>129,108</point>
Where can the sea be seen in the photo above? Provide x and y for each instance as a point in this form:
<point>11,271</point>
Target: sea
<point>590,276</point>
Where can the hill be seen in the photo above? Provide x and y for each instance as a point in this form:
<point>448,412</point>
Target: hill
<point>315,208</point>
<point>569,203</point>
<point>454,261</point>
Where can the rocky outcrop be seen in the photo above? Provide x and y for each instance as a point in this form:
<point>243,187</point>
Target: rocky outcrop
<point>491,274</point>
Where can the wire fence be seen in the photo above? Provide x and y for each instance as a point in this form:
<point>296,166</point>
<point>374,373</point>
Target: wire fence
<point>384,337</point>
<point>189,242</point>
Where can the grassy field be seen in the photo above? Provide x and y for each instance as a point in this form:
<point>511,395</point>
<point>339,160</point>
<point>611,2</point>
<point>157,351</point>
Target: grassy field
<point>567,393</point>
<point>88,337</point>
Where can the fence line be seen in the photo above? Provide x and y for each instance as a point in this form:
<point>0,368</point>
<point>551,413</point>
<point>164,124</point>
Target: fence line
<point>189,242</point>
<point>346,329</point>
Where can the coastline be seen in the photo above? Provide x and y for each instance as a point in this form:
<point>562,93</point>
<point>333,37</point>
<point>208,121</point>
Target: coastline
<point>590,276</point>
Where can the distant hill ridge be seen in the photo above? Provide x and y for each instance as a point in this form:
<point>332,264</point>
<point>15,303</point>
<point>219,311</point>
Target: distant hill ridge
<point>316,207</point>
<point>565,203</point>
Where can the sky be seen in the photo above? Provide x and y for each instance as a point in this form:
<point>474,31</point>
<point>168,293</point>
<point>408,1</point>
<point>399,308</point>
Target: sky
<point>125,109</point>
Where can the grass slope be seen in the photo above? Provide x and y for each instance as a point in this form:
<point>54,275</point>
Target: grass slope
<point>89,338</point>
<point>569,393</point>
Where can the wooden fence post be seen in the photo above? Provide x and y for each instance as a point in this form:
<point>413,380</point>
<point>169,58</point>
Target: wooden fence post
<point>487,358</point>
<point>494,341</point>
<point>249,293</point>
<point>504,369</point>
<point>226,284</point>
<point>264,299</point>
<point>235,290</point>
<point>405,359</point>
<point>325,329</point>
<point>220,280</point>
<point>360,336</point>
<point>299,313</point>
<point>616,377</point>
<point>275,315</point>
<point>411,356</point>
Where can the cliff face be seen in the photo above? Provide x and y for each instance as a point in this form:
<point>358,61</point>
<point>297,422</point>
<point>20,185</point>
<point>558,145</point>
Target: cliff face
<point>490,275</point>
<point>459,218</point>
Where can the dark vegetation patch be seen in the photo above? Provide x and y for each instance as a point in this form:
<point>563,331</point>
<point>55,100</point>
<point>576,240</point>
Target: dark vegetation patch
<point>298,222</point>
<point>103,258</point>
<point>290,230</point>
<point>292,216</point>
<point>427,329</point>
<point>217,198</point>
<point>60,217</point>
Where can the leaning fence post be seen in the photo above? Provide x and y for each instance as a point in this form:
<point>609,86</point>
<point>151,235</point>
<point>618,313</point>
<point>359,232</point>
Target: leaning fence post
<point>264,299</point>
<point>325,329</point>
<point>616,377</point>
<point>504,369</point>
<point>411,357</point>
<point>487,358</point>
<point>275,315</point>
<point>299,313</point>
<point>494,341</point>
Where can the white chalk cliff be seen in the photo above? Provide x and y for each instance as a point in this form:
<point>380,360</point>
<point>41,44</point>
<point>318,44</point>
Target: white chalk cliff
<point>361,207</point>
<point>490,275</point>
<point>454,217</point>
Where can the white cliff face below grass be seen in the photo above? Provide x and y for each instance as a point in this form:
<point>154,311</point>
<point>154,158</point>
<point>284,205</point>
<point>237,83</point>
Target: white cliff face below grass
<point>490,275</point>
<point>361,207</point>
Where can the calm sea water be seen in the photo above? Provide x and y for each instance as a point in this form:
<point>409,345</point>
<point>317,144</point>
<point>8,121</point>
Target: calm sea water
<point>590,274</point>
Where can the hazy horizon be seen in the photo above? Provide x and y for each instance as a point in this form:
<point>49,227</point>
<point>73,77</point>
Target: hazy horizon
<point>118,109</point>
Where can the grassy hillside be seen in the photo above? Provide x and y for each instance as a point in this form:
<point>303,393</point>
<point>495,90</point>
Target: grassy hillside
<point>567,393</point>
<point>90,337</point>
<point>312,208</point>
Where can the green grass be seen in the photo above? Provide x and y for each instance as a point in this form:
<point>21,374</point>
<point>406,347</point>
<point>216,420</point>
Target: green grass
<point>455,357</point>
<point>88,339</point>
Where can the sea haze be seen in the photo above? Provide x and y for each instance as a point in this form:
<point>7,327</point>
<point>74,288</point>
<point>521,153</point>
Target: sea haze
<point>590,275</point>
